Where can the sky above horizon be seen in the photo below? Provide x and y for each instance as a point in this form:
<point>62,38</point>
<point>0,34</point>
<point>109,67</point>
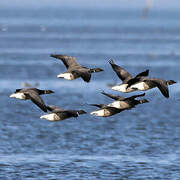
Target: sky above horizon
<point>160,4</point>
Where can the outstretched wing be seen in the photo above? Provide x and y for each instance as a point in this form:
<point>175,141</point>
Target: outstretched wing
<point>144,73</point>
<point>122,73</point>
<point>138,77</point>
<point>114,110</point>
<point>159,83</point>
<point>113,96</point>
<point>69,61</point>
<point>36,99</point>
<point>135,96</point>
<point>133,81</point>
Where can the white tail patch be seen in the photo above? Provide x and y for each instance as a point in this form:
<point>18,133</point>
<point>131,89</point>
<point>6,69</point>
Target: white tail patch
<point>101,113</point>
<point>142,86</point>
<point>18,96</point>
<point>68,76</point>
<point>119,104</point>
<point>51,117</point>
<point>122,88</point>
<point>98,113</point>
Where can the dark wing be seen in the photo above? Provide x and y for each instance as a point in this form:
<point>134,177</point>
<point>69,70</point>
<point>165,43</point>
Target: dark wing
<point>113,96</point>
<point>69,61</point>
<point>114,110</point>
<point>144,73</point>
<point>135,96</point>
<point>36,99</point>
<point>138,78</point>
<point>159,83</point>
<point>122,74</point>
<point>68,113</point>
<point>81,111</point>
<point>133,81</point>
<point>85,75</point>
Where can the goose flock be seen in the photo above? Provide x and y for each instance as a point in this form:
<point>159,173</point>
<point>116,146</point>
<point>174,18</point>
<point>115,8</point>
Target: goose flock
<point>141,82</point>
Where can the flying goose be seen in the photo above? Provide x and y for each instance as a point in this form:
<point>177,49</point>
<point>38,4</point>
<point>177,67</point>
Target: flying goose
<point>120,104</point>
<point>74,70</point>
<point>125,77</point>
<point>144,83</point>
<point>33,94</point>
<point>57,114</point>
<point>125,103</point>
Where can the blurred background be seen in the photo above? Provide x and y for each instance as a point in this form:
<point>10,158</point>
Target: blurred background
<point>142,143</point>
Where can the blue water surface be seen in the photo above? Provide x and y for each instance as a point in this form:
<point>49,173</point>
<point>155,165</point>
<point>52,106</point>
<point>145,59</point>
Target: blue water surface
<point>142,143</point>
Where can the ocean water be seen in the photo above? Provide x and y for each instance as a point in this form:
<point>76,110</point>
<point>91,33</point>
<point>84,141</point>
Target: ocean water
<point>142,143</point>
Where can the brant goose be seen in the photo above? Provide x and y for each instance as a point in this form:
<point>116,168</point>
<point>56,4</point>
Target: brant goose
<point>58,114</point>
<point>125,103</point>
<point>144,83</point>
<point>125,77</point>
<point>33,94</point>
<point>74,70</point>
<point>120,104</point>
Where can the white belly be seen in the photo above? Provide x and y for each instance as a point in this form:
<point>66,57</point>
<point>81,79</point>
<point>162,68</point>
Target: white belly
<point>51,117</point>
<point>123,88</point>
<point>18,96</point>
<point>101,113</point>
<point>68,76</point>
<point>141,86</point>
<point>119,104</point>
